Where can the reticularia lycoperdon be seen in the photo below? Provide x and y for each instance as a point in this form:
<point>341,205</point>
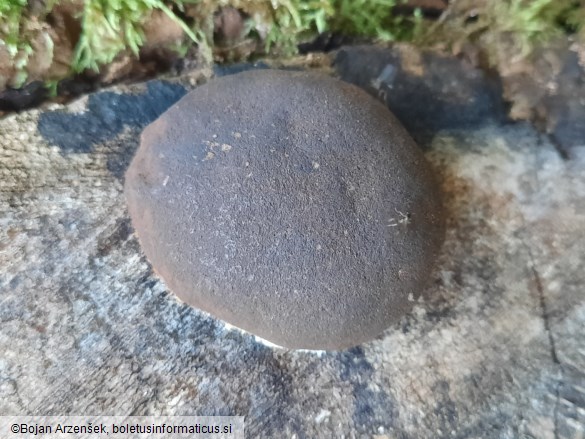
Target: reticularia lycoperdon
<point>289,204</point>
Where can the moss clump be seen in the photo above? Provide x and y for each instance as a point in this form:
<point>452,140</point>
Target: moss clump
<point>18,28</point>
<point>376,19</point>
<point>110,27</point>
<point>508,28</point>
<point>294,19</point>
<point>11,17</point>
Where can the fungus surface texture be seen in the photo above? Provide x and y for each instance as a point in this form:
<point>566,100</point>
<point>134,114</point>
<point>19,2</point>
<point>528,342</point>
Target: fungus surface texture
<point>289,204</point>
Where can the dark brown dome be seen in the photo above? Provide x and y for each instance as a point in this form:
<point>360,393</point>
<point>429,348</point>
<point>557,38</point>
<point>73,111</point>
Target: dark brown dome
<point>289,204</point>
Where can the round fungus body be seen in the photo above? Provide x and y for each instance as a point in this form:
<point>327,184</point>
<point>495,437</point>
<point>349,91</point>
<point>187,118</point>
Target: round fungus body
<point>289,204</point>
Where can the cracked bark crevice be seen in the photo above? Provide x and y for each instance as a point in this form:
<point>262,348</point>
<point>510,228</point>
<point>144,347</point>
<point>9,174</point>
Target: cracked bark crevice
<point>551,339</point>
<point>544,310</point>
<point>541,293</point>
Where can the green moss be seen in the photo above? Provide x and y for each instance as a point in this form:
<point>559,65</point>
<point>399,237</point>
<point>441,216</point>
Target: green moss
<point>528,23</point>
<point>375,19</point>
<point>11,16</point>
<point>51,86</point>
<point>17,30</point>
<point>573,18</point>
<point>112,26</point>
<point>509,29</point>
<point>296,20</point>
<point>109,27</point>
<point>292,20</point>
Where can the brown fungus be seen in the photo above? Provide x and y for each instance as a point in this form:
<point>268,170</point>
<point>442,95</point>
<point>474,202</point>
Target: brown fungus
<point>289,204</point>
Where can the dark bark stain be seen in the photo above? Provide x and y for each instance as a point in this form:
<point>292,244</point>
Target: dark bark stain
<point>371,408</point>
<point>106,116</point>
